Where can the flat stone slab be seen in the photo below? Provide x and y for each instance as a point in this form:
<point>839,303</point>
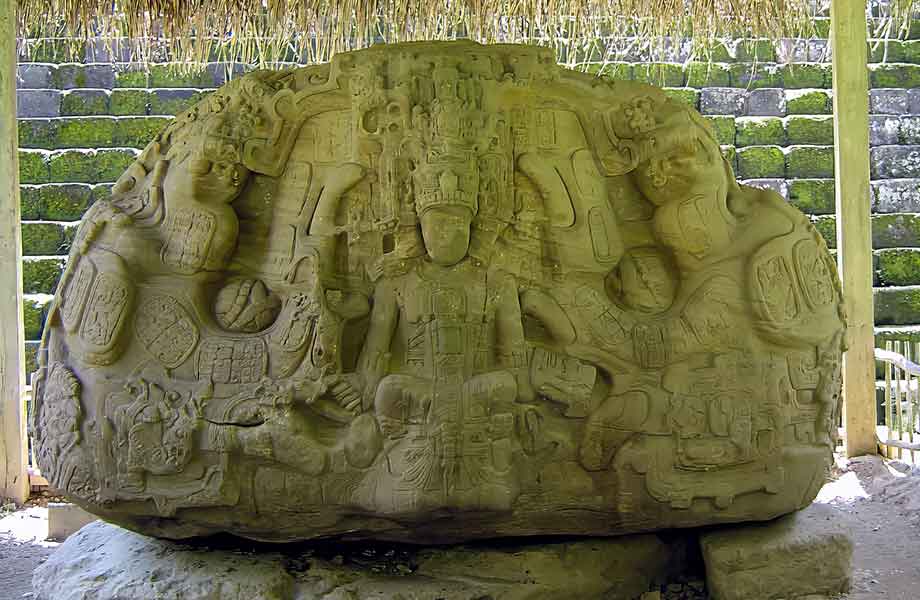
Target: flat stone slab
<point>808,552</point>
<point>105,562</point>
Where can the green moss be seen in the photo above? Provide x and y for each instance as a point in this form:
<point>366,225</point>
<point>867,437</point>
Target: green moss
<point>760,131</point>
<point>827,227</point>
<point>811,103</point>
<point>101,191</point>
<point>110,164</point>
<point>717,52</point>
<point>30,203</point>
<point>173,104</point>
<point>79,104</point>
<point>130,77</point>
<point>660,74</point>
<point>33,318</point>
<point>37,133</point>
<point>56,50</point>
<point>810,162</point>
<point>755,51</point>
<point>65,202</point>
<point>130,102</point>
<point>72,166</point>
<point>42,239</point>
<point>898,266</point>
<point>755,76</point>
<point>813,196</point>
<point>806,75</point>
<point>703,75</point>
<point>889,51</point>
<point>759,162</point>
<point>912,51</point>
<point>724,128</point>
<point>31,357</point>
<point>172,76</point>
<point>822,27</point>
<point>810,130</point>
<point>70,76</point>
<point>614,71</point>
<point>33,167</point>
<point>896,306</point>
<point>40,276</point>
<point>86,132</point>
<point>894,76</point>
<point>137,132</point>
<point>895,230</point>
<point>685,96</point>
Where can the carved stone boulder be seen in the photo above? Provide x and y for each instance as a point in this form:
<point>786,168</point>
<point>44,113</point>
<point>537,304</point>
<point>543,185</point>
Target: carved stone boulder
<point>434,292</point>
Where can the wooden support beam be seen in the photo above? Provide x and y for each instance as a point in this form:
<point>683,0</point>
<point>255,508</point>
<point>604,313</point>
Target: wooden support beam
<point>14,481</point>
<point>854,239</point>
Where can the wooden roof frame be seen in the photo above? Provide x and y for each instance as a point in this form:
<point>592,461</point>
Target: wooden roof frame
<point>854,245</point>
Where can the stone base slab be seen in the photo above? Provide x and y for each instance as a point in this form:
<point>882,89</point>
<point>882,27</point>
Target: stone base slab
<point>106,562</point>
<point>802,554</point>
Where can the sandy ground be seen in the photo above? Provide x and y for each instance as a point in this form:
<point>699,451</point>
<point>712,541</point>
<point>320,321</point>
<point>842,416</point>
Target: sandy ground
<point>882,500</point>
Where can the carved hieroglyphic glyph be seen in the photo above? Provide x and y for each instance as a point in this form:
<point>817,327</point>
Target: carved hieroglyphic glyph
<point>434,292</point>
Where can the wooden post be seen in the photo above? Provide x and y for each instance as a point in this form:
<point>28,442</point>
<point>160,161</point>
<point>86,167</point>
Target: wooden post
<point>14,481</point>
<point>854,237</point>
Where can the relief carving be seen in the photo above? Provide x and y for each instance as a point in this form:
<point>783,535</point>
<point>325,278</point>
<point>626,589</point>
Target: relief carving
<point>435,292</point>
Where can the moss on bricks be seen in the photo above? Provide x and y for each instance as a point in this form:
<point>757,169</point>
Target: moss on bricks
<point>130,76</point>
<point>894,76</point>
<point>717,52</point>
<point>887,51</point>
<point>827,227</point>
<point>912,51</point>
<point>703,75</point>
<point>42,239</point>
<point>895,230</point>
<point>755,51</point>
<point>897,305</point>
<point>102,191</point>
<point>37,133</point>
<point>55,50</point>
<point>759,162</point>
<point>137,132</point>
<point>614,71</point>
<point>65,202</point>
<point>806,75</point>
<point>172,76</point>
<point>817,102</point>
<point>130,102</point>
<point>173,102</point>
<point>810,162</point>
<point>72,166</point>
<point>813,196</point>
<point>755,76</point>
<point>760,131</point>
<point>898,266</point>
<point>724,128</point>
<point>33,318</point>
<point>40,276</point>
<point>30,203</point>
<point>684,96</point>
<point>660,74</point>
<point>822,27</point>
<point>810,130</point>
<point>110,164</point>
<point>81,103</point>
<point>33,167</point>
<point>86,132</point>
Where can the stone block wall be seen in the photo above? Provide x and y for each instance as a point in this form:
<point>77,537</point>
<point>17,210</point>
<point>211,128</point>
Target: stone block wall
<point>84,117</point>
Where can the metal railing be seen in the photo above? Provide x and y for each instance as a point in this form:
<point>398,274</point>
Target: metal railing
<point>901,400</point>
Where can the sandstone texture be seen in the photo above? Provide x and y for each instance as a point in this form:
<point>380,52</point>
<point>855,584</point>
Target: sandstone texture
<point>796,556</point>
<point>105,562</point>
<point>436,292</point>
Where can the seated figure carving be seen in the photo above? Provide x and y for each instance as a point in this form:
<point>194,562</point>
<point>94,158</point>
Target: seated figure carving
<point>436,292</point>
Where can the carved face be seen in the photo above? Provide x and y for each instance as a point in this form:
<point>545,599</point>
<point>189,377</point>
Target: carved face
<point>446,231</point>
<point>206,181</point>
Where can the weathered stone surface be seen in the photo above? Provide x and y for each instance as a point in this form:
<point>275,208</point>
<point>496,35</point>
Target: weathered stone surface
<point>437,292</point>
<point>895,162</point>
<point>896,195</point>
<point>105,562</point>
<point>889,102</point>
<point>38,103</point>
<point>807,552</point>
<point>883,130</point>
<point>766,103</point>
<point>723,101</point>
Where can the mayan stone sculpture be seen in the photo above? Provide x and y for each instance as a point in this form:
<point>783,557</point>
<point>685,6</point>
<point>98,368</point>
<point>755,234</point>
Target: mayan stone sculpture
<point>435,292</point>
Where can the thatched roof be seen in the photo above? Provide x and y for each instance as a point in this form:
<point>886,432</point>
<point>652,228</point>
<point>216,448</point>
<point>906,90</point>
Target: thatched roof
<point>312,30</point>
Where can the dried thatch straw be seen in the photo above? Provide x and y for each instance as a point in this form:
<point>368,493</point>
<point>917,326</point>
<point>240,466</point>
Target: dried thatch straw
<point>267,31</point>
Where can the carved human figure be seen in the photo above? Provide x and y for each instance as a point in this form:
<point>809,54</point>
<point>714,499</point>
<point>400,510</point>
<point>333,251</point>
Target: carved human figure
<point>449,334</point>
